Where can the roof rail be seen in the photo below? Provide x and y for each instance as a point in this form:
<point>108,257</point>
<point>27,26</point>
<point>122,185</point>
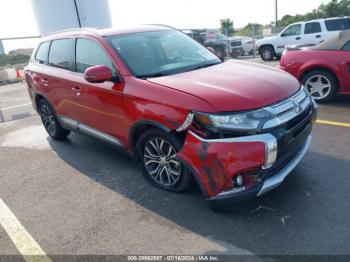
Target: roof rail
<point>73,29</point>
<point>167,26</point>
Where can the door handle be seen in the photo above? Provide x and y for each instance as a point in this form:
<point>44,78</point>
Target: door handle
<point>45,82</point>
<point>298,38</point>
<point>318,36</point>
<point>76,89</point>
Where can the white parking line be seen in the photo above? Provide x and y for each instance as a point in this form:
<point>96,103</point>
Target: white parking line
<point>11,107</point>
<point>24,242</point>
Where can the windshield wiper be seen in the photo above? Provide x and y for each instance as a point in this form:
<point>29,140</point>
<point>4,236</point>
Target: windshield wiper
<point>152,75</point>
<point>206,65</point>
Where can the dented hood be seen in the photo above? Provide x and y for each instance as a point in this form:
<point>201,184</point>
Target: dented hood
<point>234,85</point>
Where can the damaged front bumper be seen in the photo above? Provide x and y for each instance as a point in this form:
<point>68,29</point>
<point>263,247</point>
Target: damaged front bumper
<point>264,160</point>
<point>268,184</point>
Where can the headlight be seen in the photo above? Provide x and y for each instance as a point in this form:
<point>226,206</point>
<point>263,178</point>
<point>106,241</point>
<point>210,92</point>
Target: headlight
<point>247,121</point>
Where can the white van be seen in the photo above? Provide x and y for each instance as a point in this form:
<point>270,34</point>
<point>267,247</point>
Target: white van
<point>302,33</point>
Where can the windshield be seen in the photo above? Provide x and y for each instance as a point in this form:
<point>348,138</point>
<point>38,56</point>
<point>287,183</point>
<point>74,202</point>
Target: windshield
<point>159,53</point>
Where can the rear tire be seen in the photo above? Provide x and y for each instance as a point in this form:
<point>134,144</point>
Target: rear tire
<point>157,153</point>
<point>322,85</point>
<point>50,122</point>
<point>267,53</point>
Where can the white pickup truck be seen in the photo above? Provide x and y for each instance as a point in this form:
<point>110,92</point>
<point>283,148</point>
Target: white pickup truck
<point>302,33</point>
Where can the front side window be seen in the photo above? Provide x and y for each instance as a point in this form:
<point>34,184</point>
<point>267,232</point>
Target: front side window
<point>42,53</point>
<point>312,28</point>
<point>292,30</point>
<point>338,24</point>
<point>89,53</point>
<point>60,53</point>
<point>166,52</point>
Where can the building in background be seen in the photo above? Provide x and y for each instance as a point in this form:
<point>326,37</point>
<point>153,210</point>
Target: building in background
<point>2,51</point>
<point>56,15</point>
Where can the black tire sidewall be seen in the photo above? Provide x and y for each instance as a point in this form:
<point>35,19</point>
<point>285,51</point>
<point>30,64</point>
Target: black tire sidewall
<point>332,80</point>
<point>184,182</point>
<point>60,133</point>
<point>262,53</point>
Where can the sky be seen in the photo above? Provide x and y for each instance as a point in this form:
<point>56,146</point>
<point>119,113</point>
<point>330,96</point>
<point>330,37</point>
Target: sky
<point>17,18</point>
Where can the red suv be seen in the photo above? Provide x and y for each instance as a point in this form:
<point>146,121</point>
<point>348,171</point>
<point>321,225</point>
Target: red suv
<point>236,128</point>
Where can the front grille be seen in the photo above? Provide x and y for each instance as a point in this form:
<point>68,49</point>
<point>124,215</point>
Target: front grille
<point>289,109</point>
<point>236,43</point>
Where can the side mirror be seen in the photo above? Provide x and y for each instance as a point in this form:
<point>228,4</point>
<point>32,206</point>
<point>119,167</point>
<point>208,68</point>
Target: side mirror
<point>211,49</point>
<point>98,74</point>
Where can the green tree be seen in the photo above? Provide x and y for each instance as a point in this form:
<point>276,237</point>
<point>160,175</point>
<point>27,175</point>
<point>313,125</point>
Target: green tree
<point>226,26</point>
<point>252,29</point>
<point>332,9</point>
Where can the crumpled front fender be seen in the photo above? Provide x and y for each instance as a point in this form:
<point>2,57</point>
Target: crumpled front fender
<point>215,163</point>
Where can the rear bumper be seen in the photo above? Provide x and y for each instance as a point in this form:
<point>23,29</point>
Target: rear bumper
<point>268,184</point>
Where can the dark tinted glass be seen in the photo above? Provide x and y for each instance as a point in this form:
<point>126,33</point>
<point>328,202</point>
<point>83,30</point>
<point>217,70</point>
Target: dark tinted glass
<point>42,53</point>
<point>90,53</point>
<point>338,24</point>
<point>312,28</point>
<point>60,54</point>
<point>346,47</point>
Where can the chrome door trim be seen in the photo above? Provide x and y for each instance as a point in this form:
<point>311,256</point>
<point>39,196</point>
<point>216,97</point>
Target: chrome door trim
<point>84,129</point>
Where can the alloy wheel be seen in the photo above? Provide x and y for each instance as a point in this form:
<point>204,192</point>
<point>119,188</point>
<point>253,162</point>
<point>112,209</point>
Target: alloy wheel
<point>267,54</point>
<point>319,86</point>
<point>161,162</point>
<point>48,119</point>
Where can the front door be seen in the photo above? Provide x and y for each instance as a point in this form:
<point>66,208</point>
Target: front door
<point>100,105</point>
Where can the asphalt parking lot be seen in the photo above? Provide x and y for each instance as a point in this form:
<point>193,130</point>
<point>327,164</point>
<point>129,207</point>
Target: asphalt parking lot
<point>82,197</point>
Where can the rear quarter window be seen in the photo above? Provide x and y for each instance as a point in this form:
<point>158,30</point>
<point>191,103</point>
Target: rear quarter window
<point>60,54</point>
<point>42,54</point>
<point>346,47</point>
<point>338,24</point>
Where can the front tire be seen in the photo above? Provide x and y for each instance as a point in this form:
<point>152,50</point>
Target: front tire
<point>50,122</point>
<point>157,153</point>
<point>322,85</point>
<point>267,53</point>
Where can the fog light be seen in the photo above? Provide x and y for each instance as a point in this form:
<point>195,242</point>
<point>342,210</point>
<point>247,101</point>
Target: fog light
<point>238,181</point>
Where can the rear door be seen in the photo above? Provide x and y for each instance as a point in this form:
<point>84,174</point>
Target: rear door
<point>36,72</point>
<point>99,104</point>
<point>59,90</point>
<point>313,33</point>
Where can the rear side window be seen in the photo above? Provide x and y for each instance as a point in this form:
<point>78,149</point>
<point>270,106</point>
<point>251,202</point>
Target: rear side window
<point>338,24</point>
<point>312,28</point>
<point>346,47</point>
<point>60,53</point>
<point>89,53</point>
<point>42,53</point>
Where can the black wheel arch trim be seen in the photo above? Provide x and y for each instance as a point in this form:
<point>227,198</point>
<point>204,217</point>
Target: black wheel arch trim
<point>266,45</point>
<point>135,126</point>
<point>36,101</point>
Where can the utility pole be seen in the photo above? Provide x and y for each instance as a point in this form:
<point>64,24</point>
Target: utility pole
<point>276,15</point>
